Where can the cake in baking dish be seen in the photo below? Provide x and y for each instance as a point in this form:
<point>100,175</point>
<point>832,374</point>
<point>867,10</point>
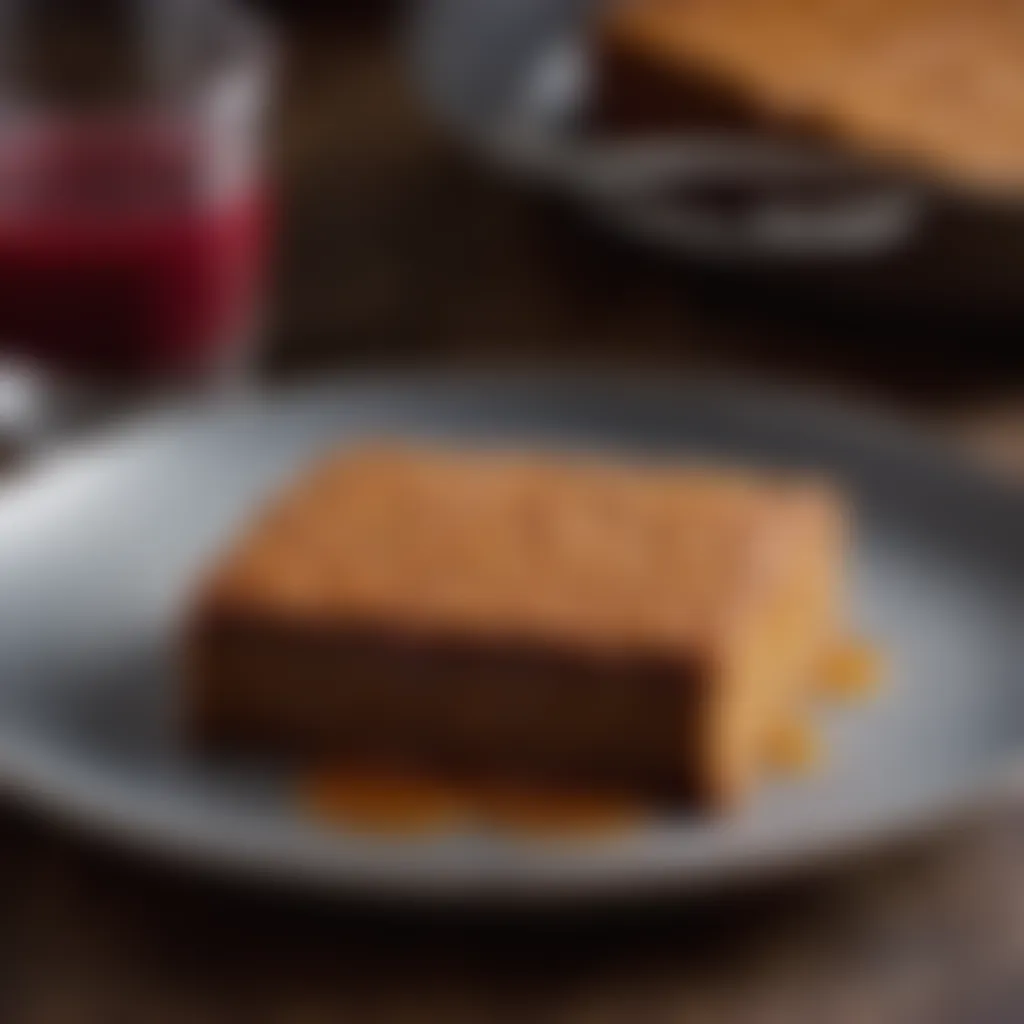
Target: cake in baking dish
<point>934,84</point>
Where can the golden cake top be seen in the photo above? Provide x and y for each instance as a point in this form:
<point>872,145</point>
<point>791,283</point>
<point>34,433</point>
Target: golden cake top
<point>516,545</point>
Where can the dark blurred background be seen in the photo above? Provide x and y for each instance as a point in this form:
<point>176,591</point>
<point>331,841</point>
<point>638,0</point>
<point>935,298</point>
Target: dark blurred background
<point>398,247</point>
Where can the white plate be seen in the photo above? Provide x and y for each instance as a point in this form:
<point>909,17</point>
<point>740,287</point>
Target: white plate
<point>98,551</point>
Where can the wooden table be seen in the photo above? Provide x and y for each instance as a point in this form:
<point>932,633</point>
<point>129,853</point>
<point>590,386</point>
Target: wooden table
<point>397,251</point>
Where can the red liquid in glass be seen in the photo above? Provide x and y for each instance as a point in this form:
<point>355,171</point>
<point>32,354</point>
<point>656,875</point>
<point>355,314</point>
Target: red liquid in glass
<point>120,257</point>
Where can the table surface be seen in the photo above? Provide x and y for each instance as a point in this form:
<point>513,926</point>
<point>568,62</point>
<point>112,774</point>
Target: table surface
<point>398,251</point>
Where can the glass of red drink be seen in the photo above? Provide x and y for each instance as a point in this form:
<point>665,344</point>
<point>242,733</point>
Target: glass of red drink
<point>133,195</point>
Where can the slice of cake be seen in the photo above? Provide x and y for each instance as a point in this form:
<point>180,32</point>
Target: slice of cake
<point>524,617</point>
<point>935,84</point>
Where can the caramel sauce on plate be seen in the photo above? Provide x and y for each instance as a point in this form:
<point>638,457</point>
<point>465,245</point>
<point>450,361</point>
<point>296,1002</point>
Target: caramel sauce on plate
<point>852,669</point>
<point>380,802</point>
<point>795,748</point>
<point>385,803</point>
<point>545,813</point>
